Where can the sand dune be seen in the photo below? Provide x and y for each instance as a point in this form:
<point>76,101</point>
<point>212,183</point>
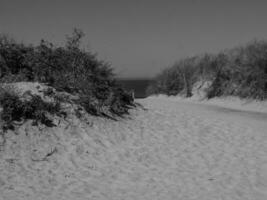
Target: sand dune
<point>173,150</point>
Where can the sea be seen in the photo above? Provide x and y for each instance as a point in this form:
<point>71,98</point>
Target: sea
<point>139,86</point>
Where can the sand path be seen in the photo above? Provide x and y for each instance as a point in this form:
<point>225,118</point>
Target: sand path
<point>173,150</point>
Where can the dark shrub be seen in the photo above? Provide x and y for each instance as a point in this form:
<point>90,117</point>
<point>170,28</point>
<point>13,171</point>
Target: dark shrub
<point>15,109</point>
<point>68,68</point>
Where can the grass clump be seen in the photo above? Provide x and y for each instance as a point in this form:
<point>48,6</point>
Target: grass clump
<point>240,71</point>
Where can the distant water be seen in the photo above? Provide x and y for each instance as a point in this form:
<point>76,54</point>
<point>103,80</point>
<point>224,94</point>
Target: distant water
<point>138,85</point>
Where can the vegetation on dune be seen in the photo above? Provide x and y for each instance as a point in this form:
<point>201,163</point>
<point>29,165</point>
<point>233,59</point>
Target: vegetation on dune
<point>17,110</point>
<point>66,68</point>
<point>241,72</point>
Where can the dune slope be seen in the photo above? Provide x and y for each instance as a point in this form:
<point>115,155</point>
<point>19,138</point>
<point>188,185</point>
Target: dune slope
<point>172,150</point>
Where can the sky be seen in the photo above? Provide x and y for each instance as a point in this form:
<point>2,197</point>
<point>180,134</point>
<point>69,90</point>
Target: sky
<point>138,38</point>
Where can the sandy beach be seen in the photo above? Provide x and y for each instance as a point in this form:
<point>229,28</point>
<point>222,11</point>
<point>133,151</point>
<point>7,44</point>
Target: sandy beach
<point>170,150</point>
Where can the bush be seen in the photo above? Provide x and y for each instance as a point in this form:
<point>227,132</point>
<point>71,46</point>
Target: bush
<point>15,109</point>
<point>241,71</point>
<point>68,68</point>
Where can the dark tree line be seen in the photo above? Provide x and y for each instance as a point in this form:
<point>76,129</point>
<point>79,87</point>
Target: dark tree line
<point>241,71</point>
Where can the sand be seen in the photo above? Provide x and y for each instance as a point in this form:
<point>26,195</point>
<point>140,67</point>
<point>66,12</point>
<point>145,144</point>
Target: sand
<point>171,150</point>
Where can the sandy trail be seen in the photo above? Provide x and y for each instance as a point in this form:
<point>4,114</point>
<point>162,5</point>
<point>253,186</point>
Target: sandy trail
<point>173,150</point>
